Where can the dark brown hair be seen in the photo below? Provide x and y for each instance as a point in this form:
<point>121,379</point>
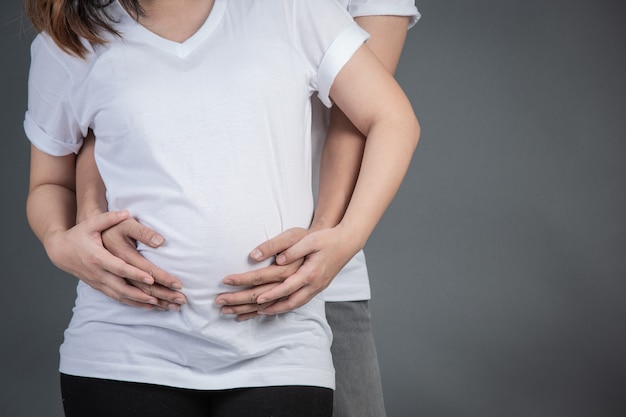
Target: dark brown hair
<point>69,22</point>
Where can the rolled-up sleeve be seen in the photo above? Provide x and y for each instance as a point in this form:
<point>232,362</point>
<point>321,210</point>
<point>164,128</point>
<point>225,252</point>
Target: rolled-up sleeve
<point>358,8</point>
<point>49,122</point>
<point>337,55</point>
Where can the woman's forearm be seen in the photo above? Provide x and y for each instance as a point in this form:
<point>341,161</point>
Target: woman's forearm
<point>51,203</point>
<point>343,148</point>
<point>378,107</point>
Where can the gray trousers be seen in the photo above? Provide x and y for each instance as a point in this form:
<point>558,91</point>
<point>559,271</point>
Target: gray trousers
<point>359,390</point>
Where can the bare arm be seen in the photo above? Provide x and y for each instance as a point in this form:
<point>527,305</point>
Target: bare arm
<point>344,148</point>
<point>341,161</point>
<point>344,145</point>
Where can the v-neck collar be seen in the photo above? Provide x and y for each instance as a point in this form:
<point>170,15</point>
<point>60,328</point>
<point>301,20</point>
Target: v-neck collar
<point>130,28</point>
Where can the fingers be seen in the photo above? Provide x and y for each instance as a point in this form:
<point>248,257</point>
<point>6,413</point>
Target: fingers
<point>246,309</point>
<point>242,301</point>
<point>134,258</point>
<point>142,233</point>
<point>272,273</point>
<point>290,303</point>
<point>120,241</point>
<point>278,244</point>
<point>307,245</point>
<point>102,259</point>
<point>136,294</point>
<point>166,298</point>
<point>247,316</point>
<point>301,279</point>
<point>119,290</point>
<point>155,282</point>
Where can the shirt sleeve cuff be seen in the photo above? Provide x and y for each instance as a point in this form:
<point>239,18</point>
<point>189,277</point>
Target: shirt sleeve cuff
<point>358,10</point>
<point>337,55</point>
<point>45,143</point>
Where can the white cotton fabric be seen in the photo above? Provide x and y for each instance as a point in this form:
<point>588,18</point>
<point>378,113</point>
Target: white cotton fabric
<point>352,283</point>
<point>208,142</point>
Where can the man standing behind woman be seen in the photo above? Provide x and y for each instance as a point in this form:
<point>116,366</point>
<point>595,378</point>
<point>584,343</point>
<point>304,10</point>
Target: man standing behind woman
<point>358,382</point>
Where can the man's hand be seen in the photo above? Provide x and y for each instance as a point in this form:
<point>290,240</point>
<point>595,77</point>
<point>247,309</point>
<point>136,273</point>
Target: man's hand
<point>306,263</point>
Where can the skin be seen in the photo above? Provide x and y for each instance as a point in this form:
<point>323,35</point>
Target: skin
<point>315,255</point>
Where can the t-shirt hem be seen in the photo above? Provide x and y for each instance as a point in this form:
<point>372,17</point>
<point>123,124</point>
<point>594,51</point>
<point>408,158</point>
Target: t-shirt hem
<point>189,379</point>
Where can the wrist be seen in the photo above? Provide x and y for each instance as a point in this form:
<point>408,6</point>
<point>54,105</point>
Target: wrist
<point>328,221</point>
<point>53,245</point>
<point>317,225</point>
<point>84,213</point>
<point>356,237</point>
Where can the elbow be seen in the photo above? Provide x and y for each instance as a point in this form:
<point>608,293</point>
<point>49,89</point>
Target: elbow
<point>417,131</point>
<point>413,132</point>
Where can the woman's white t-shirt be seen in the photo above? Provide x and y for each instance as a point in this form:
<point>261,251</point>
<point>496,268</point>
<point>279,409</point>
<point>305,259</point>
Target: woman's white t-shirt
<point>208,142</point>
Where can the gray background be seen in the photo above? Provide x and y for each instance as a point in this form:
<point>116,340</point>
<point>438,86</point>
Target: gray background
<point>498,272</point>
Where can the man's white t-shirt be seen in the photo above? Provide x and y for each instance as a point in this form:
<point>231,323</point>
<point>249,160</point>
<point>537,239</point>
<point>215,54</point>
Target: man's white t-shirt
<point>208,142</point>
<point>352,282</point>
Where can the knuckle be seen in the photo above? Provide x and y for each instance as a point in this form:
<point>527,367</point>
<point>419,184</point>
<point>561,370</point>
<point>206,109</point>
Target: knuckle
<point>93,260</point>
<point>253,297</point>
<point>269,247</point>
<point>142,234</point>
<point>257,279</point>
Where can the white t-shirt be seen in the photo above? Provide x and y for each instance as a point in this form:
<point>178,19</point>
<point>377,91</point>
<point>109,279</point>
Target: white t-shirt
<point>352,282</point>
<point>207,141</point>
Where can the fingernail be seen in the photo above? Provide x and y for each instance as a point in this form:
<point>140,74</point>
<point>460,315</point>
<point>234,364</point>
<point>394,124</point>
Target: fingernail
<point>148,281</point>
<point>173,307</point>
<point>261,300</point>
<point>180,301</point>
<point>156,240</point>
<point>227,310</point>
<point>176,286</point>
<point>228,282</point>
<point>280,259</point>
<point>256,255</point>
<point>220,302</point>
<point>122,213</point>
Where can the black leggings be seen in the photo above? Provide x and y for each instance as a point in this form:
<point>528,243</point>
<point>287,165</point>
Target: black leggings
<point>91,397</point>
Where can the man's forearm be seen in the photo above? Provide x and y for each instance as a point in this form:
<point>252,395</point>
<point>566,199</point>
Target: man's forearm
<point>90,190</point>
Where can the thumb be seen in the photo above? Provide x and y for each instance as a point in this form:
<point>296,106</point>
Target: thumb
<point>278,243</point>
<point>106,220</point>
<point>299,250</point>
<point>142,233</point>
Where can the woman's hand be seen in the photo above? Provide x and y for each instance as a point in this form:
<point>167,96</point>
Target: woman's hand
<point>306,263</point>
<point>121,241</point>
<point>80,252</point>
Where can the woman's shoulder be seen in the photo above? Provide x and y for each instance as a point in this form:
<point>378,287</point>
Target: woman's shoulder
<point>52,58</point>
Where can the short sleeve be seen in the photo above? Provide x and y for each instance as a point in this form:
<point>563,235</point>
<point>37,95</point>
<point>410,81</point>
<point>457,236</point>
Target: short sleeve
<point>327,37</point>
<point>50,123</point>
<point>359,8</point>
